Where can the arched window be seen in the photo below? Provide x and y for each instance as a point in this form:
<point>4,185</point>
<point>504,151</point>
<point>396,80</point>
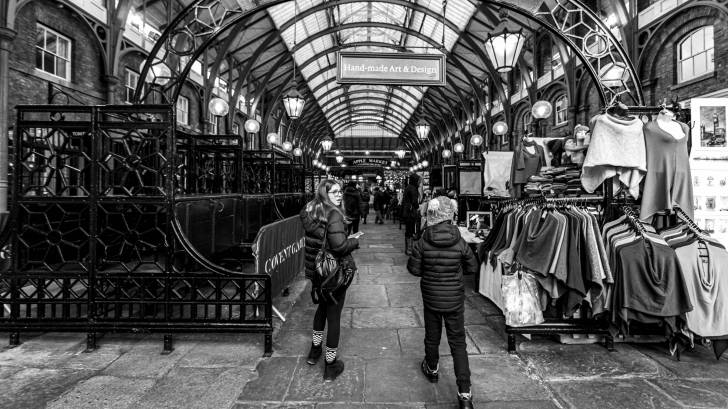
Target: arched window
<point>695,54</point>
<point>555,58</point>
<point>544,57</point>
<point>561,110</point>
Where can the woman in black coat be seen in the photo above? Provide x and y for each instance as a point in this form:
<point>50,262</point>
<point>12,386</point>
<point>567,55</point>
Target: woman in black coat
<point>321,215</point>
<point>352,206</point>
<point>410,210</point>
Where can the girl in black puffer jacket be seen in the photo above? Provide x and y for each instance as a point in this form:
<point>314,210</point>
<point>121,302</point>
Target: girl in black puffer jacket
<point>324,213</point>
<point>441,257</point>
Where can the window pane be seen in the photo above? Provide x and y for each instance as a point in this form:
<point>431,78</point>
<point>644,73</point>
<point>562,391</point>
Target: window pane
<point>61,67</point>
<point>698,41</point>
<point>49,63</point>
<point>39,58</point>
<point>700,65</point>
<point>685,49</point>
<point>711,60</point>
<point>709,37</point>
<point>63,48</point>
<point>687,69</point>
<point>40,38</point>
<point>51,43</point>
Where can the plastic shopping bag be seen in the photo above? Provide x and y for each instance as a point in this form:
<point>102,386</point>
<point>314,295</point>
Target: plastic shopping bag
<point>521,299</point>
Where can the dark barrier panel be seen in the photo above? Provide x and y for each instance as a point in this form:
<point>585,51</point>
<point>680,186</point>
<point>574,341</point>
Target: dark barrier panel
<point>96,240</point>
<point>279,251</point>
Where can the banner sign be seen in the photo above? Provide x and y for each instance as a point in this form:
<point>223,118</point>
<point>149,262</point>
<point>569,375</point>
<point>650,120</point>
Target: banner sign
<point>390,68</point>
<point>370,162</point>
<point>279,252</point>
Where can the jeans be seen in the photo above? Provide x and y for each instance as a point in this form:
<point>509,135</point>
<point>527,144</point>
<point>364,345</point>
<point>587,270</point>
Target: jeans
<point>455,330</point>
<point>330,312</point>
<point>409,227</point>
<point>379,217</point>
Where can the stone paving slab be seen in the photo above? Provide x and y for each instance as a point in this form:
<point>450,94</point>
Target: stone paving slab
<point>308,384</point>
<point>225,351</point>
<point>31,388</point>
<point>274,378</point>
<point>612,394</point>
<point>704,393</point>
<point>412,342</point>
<point>698,363</point>
<point>500,378</point>
<point>168,393</point>
<point>109,392</point>
<point>384,318</point>
<point>368,295</point>
<point>274,405</point>
<point>555,361</point>
<point>383,274</point>
<point>292,342</point>
<point>50,350</point>
<point>486,339</point>
<point>226,388</point>
<point>352,405</point>
<point>369,343</point>
<point>404,295</point>
<point>397,380</point>
<point>148,351</point>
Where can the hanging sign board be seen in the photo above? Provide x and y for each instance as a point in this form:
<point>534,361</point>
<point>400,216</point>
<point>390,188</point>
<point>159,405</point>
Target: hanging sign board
<point>370,162</point>
<point>390,68</point>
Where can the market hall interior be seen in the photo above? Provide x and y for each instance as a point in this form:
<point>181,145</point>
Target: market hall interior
<point>155,154</point>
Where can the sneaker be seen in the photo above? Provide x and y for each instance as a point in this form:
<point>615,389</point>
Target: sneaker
<point>430,374</point>
<point>332,370</point>
<point>465,400</point>
<point>314,354</point>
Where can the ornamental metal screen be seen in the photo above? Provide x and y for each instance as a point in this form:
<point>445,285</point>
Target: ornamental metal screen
<point>97,241</point>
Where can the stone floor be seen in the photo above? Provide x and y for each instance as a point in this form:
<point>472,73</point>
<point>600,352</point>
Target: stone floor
<point>382,345</point>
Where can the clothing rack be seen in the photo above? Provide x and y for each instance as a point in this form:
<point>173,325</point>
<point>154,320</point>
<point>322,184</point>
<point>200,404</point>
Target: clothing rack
<point>553,326</point>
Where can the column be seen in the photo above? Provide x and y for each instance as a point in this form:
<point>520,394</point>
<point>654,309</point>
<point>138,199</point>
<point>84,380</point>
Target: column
<point>112,86</point>
<point>6,37</point>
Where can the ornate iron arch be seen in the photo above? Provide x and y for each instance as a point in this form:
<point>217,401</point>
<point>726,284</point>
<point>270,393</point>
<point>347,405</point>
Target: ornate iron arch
<point>198,24</point>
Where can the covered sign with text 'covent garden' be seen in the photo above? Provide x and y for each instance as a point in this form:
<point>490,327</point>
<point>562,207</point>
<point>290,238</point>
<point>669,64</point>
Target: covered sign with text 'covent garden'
<point>390,68</point>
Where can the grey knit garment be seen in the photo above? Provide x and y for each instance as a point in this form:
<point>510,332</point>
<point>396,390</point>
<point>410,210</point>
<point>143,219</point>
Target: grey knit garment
<point>439,210</point>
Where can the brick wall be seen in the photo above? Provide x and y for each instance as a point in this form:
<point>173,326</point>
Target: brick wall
<point>658,69</point>
<point>27,86</point>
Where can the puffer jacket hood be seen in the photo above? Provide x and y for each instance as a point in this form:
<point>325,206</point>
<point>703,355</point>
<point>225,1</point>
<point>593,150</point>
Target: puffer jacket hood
<point>441,257</point>
<point>442,235</point>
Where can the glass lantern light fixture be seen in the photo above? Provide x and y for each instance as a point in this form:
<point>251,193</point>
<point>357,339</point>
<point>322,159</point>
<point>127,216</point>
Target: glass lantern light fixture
<point>218,106</point>
<point>541,109</point>
<point>294,102</point>
<point>500,128</point>
<point>297,151</point>
<point>476,140</point>
<point>272,138</point>
<point>503,49</point>
<point>326,143</point>
<point>446,153</point>
<point>287,146</point>
<point>315,162</point>
<point>251,126</point>
<point>400,153</point>
<point>425,163</point>
<point>339,158</point>
<point>422,128</point>
<point>458,147</point>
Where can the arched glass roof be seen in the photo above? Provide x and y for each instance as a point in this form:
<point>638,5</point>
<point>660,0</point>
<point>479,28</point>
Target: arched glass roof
<point>317,35</point>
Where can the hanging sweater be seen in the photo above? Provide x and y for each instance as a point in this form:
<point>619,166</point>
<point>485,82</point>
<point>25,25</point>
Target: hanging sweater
<point>617,149</point>
<point>707,284</point>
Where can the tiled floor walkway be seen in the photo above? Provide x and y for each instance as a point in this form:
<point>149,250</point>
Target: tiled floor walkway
<point>382,345</point>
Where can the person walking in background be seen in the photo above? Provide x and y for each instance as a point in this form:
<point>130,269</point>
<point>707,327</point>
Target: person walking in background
<point>352,205</point>
<point>410,207</point>
<point>324,217</point>
<point>379,201</point>
<point>441,257</point>
<point>364,206</point>
<point>454,199</point>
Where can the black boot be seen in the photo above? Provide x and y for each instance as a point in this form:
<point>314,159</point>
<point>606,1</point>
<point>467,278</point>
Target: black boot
<point>407,245</point>
<point>430,374</point>
<point>333,369</point>
<point>465,400</point>
<point>314,354</point>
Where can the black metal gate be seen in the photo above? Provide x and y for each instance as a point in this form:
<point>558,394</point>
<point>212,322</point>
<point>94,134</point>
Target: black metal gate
<point>97,242</point>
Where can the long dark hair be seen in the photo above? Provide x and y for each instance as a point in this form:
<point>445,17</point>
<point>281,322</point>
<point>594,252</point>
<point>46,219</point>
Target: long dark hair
<point>319,206</point>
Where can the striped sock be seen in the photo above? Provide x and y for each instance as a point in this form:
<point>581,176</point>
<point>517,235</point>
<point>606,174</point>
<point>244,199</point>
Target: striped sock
<point>317,338</point>
<point>330,355</point>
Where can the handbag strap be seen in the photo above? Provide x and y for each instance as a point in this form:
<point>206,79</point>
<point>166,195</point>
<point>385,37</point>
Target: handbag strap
<point>324,240</point>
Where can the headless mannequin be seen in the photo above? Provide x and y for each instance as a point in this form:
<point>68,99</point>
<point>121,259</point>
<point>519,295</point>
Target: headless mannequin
<point>666,123</point>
